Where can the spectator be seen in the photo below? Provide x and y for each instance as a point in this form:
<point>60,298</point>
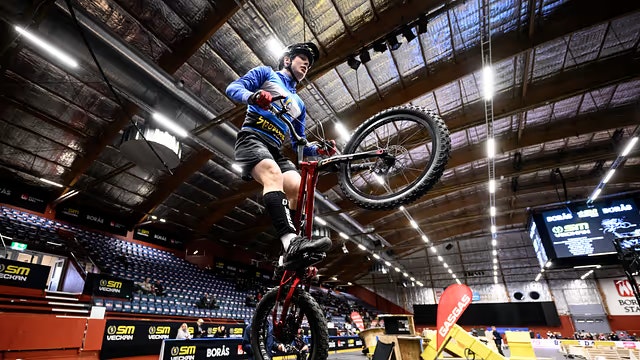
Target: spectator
<point>200,331</point>
<point>207,302</point>
<point>158,288</point>
<point>221,332</point>
<point>497,339</point>
<point>272,344</point>
<point>145,287</point>
<point>300,345</point>
<point>250,301</point>
<point>183,332</point>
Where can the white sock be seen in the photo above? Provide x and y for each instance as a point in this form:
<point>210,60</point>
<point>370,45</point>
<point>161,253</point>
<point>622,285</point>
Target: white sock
<point>281,260</point>
<point>286,240</point>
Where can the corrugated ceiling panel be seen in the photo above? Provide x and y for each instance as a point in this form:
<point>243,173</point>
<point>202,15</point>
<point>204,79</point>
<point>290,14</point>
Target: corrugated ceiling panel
<point>503,76</point>
<point>626,93</point>
<point>565,108</point>
<point>448,97</point>
<point>363,87</point>
<point>112,157</point>
<point>465,25</point>
<point>123,24</point>
<point>585,45</point>
<point>538,116</point>
<point>331,85</point>
<point>316,106</point>
<point>32,66</point>
<point>42,147</point>
<point>428,101</point>
<point>213,96</point>
<point>458,139</point>
<point>597,99</point>
<point>42,128</point>
<point>469,87</point>
<point>212,67</point>
<point>409,59</point>
<point>502,126</point>
<point>355,13</point>
<point>383,71</point>
<point>232,49</point>
<point>548,57</point>
<point>132,184</point>
<point>548,6</point>
<point>191,11</point>
<point>38,98</point>
<point>116,195</point>
<point>436,42</point>
<point>159,19</point>
<point>505,14</point>
<point>477,134</point>
<point>622,35</point>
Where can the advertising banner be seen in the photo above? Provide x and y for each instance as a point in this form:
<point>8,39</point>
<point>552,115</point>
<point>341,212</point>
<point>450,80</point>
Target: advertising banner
<point>90,218</point>
<point>24,196</point>
<point>455,299</point>
<point>619,296</point>
<point>357,319</point>
<point>107,286</point>
<point>21,274</point>
<point>124,338</point>
<point>202,349</point>
<point>158,237</point>
<point>344,343</point>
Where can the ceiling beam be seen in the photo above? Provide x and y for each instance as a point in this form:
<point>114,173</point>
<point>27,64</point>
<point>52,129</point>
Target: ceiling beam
<point>170,62</point>
<point>169,184</point>
<point>218,15</point>
<point>503,47</point>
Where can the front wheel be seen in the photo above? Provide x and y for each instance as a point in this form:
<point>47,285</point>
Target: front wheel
<point>303,313</point>
<point>417,145</point>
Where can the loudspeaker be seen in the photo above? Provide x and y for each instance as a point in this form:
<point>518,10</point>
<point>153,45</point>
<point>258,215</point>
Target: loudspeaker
<point>518,295</point>
<point>534,295</point>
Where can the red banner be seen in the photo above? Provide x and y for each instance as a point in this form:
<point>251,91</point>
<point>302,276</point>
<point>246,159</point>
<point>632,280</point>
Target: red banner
<point>357,319</point>
<point>454,301</point>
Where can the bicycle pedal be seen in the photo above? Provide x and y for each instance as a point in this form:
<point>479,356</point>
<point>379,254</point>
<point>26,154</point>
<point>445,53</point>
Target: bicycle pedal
<point>304,260</point>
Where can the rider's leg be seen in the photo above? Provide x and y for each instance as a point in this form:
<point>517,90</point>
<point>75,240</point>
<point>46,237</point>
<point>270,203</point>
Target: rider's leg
<point>267,173</point>
<point>291,186</point>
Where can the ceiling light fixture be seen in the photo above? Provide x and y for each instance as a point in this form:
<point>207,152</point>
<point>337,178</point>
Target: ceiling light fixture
<point>392,39</point>
<point>364,56</point>
<point>46,46</point>
<point>362,247</point>
<point>237,168</point>
<point>170,125</point>
<point>344,133</point>
<point>320,221</point>
<point>380,47</point>
<point>343,235</point>
<point>51,182</point>
<point>408,34</point>
<point>425,238</point>
<point>275,47</point>
<point>353,63</point>
<point>487,82</point>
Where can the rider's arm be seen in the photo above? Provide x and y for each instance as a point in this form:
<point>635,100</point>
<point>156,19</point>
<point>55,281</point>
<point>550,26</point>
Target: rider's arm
<point>242,88</point>
<point>299,126</point>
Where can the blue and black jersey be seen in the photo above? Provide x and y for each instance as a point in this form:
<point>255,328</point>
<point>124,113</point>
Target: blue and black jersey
<point>263,122</point>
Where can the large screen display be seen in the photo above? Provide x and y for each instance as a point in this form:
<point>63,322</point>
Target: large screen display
<point>581,230</point>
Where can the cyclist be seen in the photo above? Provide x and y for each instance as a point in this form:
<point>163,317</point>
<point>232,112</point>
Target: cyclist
<point>258,148</point>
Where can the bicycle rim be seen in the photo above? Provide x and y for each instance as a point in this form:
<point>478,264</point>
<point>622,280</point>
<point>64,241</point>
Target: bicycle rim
<point>304,312</point>
<point>418,141</point>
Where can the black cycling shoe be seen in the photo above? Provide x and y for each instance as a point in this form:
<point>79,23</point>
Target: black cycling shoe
<point>302,250</point>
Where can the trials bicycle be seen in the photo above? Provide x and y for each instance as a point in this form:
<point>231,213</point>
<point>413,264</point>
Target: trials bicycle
<point>392,159</point>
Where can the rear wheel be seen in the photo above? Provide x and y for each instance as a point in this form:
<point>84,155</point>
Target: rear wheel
<point>417,143</point>
<point>304,312</point>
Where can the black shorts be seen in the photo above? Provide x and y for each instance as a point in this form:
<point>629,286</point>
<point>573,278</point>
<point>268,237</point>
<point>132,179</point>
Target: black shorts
<point>250,149</point>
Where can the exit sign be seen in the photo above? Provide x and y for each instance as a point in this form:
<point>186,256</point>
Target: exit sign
<point>18,246</point>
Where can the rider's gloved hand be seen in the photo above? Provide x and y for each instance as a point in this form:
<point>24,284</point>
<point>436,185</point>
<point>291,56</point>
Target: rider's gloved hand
<point>261,98</point>
<point>328,148</point>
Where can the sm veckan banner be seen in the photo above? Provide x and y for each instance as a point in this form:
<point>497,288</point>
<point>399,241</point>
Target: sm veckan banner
<point>124,338</point>
<point>107,286</point>
<point>21,274</point>
<point>202,349</point>
<point>455,299</point>
<point>90,218</point>
<point>158,237</point>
